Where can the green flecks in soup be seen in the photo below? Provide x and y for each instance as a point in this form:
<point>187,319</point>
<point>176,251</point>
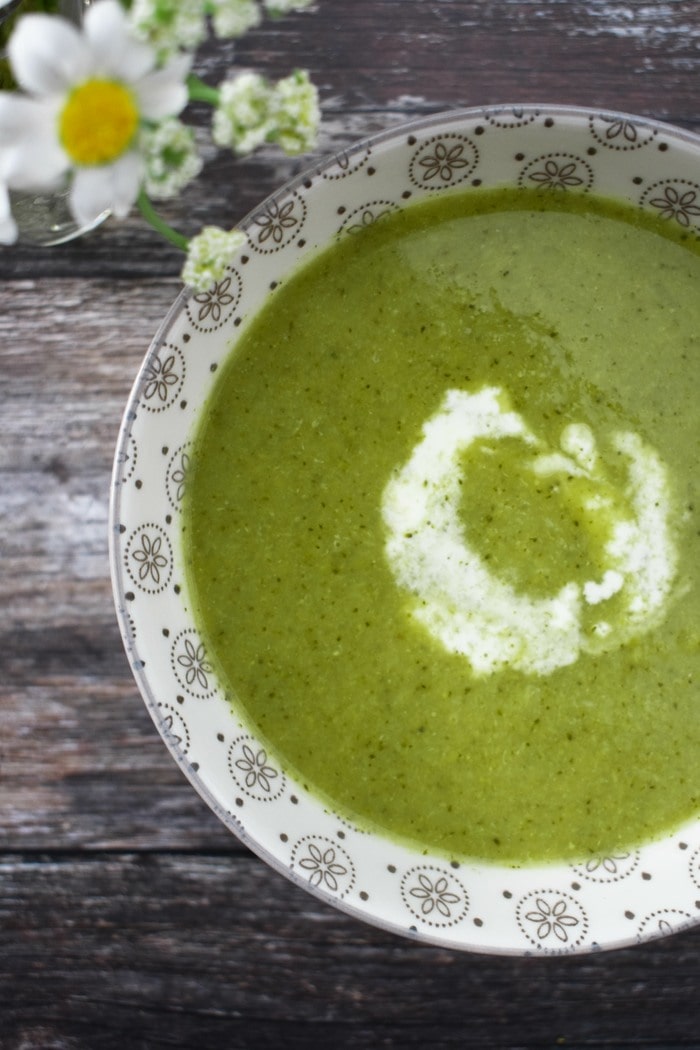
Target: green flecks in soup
<point>440,526</point>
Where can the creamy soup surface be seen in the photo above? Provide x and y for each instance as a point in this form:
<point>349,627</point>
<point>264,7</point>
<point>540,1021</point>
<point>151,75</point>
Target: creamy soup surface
<point>441,531</point>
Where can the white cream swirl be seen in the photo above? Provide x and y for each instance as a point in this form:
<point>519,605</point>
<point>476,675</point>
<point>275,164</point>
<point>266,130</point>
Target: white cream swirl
<point>468,608</point>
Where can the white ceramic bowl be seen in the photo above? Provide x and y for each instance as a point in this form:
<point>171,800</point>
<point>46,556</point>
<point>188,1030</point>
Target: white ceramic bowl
<point>609,901</point>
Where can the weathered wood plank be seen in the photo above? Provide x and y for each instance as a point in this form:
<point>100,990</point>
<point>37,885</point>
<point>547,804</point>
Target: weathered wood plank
<point>147,951</point>
<point>81,764</point>
<point>82,767</point>
<point>69,351</point>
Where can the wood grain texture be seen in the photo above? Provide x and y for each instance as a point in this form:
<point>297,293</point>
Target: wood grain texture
<point>79,751</point>
<point>156,950</point>
<point>129,917</point>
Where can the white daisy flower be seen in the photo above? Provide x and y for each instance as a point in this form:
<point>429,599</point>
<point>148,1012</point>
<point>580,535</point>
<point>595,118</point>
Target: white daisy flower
<point>208,256</point>
<point>88,94</point>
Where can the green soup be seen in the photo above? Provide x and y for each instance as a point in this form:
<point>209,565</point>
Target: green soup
<point>440,526</point>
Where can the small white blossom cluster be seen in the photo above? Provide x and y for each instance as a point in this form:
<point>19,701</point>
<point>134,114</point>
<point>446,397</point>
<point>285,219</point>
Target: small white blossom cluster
<point>171,159</point>
<point>252,110</point>
<point>241,120</point>
<point>209,254</point>
<point>232,18</point>
<point>168,25</point>
<point>172,24</point>
<point>296,113</point>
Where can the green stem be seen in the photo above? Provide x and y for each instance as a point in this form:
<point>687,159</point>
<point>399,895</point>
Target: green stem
<point>201,92</point>
<point>160,225</point>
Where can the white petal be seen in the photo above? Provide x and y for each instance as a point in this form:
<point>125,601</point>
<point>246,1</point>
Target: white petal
<point>8,226</point>
<point>164,92</point>
<point>91,194</point>
<point>115,51</point>
<point>127,175</point>
<point>47,54</point>
<point>113,187</point>
<point>21,117</point>
<point>32,156</point>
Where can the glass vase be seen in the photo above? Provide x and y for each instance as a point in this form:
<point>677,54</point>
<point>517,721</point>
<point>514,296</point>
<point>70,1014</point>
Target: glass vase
<point>43,218</point>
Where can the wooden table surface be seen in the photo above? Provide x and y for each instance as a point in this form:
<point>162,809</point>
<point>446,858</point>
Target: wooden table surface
<point>129,916</point>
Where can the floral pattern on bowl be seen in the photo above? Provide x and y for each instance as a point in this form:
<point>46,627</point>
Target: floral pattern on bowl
<point>605,902</point>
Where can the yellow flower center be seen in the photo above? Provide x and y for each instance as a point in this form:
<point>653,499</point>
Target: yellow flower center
<point>98,122</point>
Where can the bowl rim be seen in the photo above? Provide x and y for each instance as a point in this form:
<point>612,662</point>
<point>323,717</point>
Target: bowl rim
<point>457,116</point>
